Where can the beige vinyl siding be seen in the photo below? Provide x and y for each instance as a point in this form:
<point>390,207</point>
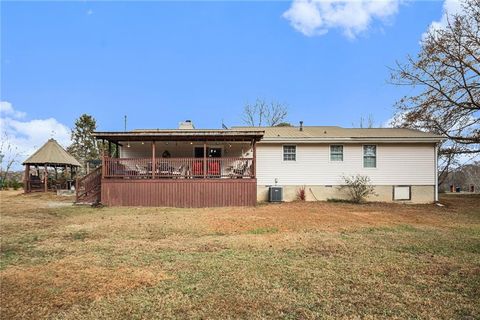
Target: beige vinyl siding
<point>397,164</point>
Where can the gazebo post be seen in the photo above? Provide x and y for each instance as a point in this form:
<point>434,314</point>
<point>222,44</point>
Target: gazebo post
<point>45,177</point>
<point>26,179</point>
<point>71,176</point>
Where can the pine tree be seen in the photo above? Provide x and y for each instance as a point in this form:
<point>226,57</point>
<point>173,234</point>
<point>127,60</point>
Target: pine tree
<point>84,146</point>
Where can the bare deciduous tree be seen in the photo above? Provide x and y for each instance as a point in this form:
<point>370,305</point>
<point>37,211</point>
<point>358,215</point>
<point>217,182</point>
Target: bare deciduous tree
<point>446,78</point>
<point>9,155</point>
<point>262,113</point>
<point>464,176</point>
<point>368,122</point>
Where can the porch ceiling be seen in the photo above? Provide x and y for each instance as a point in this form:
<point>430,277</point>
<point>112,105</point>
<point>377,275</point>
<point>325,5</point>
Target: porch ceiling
<point>181,135</point>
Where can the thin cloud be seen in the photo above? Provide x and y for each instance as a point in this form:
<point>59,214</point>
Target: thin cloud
<point>352,17</point>
<point>450,7</point>
<point>6,109</point>
<point>25,136</point>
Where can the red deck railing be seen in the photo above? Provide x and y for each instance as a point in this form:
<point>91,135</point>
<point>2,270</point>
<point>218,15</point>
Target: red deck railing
<point>89,187</point>
<point>181,168</point>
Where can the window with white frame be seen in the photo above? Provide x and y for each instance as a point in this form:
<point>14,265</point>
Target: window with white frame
<point>369,156</point>
<point>336,152</point>
<point>289,153</point>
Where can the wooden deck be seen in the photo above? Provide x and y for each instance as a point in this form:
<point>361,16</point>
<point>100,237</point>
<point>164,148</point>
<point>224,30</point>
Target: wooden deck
<point>179,192</point>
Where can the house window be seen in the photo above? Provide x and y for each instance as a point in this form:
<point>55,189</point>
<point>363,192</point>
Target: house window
<point>369,156</point>
<point>289,153</point>
<point>336,153</point>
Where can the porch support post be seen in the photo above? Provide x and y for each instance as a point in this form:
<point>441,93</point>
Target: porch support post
<point>154,166</point>
<point>204,159</point>
<point>26,179</point>
<point>104,170</point>
<point>110,149</point>
<point>254,164</point>
<point>45,177</point>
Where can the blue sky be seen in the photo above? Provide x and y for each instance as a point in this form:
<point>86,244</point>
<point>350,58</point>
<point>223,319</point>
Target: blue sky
<point>162,62</point>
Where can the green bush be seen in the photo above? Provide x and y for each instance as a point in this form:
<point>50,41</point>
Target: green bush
<point>15,184</point>
<point>10,184</point>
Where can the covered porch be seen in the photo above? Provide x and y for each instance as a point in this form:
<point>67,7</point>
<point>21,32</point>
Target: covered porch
<point>181,168</point>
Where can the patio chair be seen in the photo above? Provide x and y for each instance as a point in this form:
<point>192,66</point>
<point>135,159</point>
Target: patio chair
<point>239,170</point>
<point>140,170</point>
<point>197,168</point>
<point>214,169</point>
<point>180,171</point>
<point>164,168</point>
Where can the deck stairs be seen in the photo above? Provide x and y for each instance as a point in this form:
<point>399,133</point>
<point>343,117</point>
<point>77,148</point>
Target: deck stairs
<point>89,188</point>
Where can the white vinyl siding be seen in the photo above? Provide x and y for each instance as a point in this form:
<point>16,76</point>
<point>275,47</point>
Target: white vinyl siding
<point>289,153</point>
<point>336,152</point>
<point>369,156</point>
<point>397,164</point>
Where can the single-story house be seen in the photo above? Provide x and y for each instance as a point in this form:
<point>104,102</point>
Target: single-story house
<point>188,167</point>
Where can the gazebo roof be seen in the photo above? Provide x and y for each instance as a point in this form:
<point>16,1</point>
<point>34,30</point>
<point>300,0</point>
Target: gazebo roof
<point>52,153</point>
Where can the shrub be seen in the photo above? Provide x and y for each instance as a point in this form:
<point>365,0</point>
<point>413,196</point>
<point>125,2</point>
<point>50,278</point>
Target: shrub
<point>15,184</point>
<point>358,187</point>
<point>301,195</point>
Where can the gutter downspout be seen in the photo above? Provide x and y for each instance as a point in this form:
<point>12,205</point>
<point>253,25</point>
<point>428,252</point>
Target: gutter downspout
<point>436,172</point>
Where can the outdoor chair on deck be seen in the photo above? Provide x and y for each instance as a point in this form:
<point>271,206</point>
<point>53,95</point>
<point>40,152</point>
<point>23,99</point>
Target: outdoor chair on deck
<point>179,172</point>
<point>141,171</point>
<point>238,170</point>
<point>214,169</point>
<point>165,169</point>
<point>197,168</point>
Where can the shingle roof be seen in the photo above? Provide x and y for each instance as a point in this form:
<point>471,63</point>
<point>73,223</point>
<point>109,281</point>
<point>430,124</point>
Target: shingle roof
<point>327,133</point>
<point>181,134</point>
<point>52,153</point>
<point>276,134</point>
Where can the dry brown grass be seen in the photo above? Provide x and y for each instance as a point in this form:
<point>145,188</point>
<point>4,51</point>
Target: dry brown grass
<point>295,260</point>
<point>61,284</point>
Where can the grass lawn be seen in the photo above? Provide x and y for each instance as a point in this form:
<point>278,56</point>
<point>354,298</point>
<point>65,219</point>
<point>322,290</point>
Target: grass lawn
<point>289,261</point>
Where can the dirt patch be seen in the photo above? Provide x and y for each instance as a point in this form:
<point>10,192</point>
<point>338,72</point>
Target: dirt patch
<point>304,216</point>
<point>60,284</point>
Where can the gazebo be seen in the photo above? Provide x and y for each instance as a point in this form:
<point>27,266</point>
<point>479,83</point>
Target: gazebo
<point>50,155</point>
